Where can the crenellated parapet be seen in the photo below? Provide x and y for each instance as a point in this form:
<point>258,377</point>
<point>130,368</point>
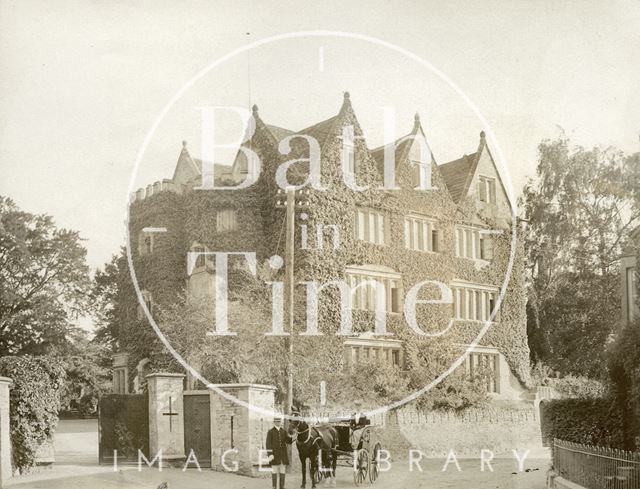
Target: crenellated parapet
<point>155,188</point>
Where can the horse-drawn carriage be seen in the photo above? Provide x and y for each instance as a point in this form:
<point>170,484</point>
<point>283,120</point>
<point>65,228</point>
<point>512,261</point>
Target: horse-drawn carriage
<point>354,445</point>
<point>359,449</point>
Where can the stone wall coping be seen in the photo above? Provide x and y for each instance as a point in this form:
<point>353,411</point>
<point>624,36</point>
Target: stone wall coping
<point>6,380</point>
<point>165,375</point>
<point>197,393</point>
<point>244,386</point>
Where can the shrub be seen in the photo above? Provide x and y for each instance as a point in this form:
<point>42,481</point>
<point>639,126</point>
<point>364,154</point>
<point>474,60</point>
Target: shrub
<point>34,404</point>
<point>578,387</point>
<point>624,370</point>
<point>587,421</point>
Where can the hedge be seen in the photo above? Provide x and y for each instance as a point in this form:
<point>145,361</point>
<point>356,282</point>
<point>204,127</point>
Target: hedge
<point>33,405</point>
<point>587,421</point>
<point>624,371</point>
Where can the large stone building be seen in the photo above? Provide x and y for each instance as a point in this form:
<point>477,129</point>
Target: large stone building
<point>457,231</point>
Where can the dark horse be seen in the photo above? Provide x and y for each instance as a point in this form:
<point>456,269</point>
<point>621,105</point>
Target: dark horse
<point>314,442</point>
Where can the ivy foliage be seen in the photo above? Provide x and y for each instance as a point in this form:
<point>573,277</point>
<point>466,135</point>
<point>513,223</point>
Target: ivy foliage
<point>34,404</point>
<point>587,421</point>
<point>190,218</point>
<point>624,370</point>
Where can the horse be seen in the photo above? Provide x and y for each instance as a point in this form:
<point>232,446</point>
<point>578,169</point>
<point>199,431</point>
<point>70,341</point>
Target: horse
<point>312,441</point>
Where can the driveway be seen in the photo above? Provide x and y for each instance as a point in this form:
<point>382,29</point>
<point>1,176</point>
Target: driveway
<point>505,476</point>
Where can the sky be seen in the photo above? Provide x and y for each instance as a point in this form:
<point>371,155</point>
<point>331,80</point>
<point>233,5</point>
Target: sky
<point>82,83</point>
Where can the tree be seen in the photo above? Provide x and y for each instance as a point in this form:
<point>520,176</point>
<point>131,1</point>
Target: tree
<point>44,281</point>
<point>579,212</point>
<point>107,287</point>
<point>87,365</point>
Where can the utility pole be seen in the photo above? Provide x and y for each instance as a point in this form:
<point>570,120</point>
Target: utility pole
<point>290,206</point>
<point>289,287</point>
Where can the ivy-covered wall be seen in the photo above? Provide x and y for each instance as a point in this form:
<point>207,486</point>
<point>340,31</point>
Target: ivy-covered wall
<point>190,217</point>
<point>33,406</point>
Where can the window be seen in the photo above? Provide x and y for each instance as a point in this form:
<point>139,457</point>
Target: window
<point>383,352</point>
<point>487,189</point>
<point>395,357</point>
<point>485,367</point>
<point>145,243</point>
<point>371,226</point>
<point>420,234</point>
<point>473,243</point>
<point>473,302</point>
<point>351,159</point>
<point>632,294</point>
<point>226,220</point>
<point>348,150</point>
<point>416,174</point>
<point>375,291</point>
<point>148,300</point>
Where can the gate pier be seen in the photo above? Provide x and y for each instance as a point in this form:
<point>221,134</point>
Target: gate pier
<point>166,415</point>
<point>234,427</point>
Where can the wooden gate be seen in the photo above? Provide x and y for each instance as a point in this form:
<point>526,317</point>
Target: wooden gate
<point>123,425</point>
<point>197,427</point>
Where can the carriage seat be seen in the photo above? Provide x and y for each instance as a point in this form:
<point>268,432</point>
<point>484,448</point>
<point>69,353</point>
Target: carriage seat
<point>344,435</point>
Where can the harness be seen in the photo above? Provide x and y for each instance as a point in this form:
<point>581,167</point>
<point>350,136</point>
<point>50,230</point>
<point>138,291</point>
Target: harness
<point>308,430</point>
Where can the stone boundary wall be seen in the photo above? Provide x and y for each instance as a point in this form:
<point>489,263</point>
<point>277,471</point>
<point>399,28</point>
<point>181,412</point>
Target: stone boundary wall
<point>500,429</point>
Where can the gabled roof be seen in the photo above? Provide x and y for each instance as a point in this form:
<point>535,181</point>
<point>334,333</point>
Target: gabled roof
<point>457,173</point>
<point>401,146</point>
<point>321,130</point>
<point>279,133</point>
<point>219,169</point>
<point>189,169</point>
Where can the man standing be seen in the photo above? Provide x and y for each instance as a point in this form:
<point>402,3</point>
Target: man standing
<point>277,439</point>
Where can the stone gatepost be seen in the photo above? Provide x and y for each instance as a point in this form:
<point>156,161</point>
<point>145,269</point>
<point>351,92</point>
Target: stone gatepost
<point>5,438</point>
<point>234,427</point>
<point>166,415</point>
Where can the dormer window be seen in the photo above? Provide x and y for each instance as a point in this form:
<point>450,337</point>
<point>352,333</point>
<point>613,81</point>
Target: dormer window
<point>351,158</point>
<point>348,150</point>
<point>145,243</point>
<point>487,189</point>
<point>420,175</point>
<point>226,220</point>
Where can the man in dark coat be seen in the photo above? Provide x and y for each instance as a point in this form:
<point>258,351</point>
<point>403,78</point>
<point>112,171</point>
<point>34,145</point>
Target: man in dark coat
<point>277,439</point>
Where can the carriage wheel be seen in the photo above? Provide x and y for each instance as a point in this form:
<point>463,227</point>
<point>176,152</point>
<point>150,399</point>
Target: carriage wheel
<point>374,470</point>
<point>361,466</point>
